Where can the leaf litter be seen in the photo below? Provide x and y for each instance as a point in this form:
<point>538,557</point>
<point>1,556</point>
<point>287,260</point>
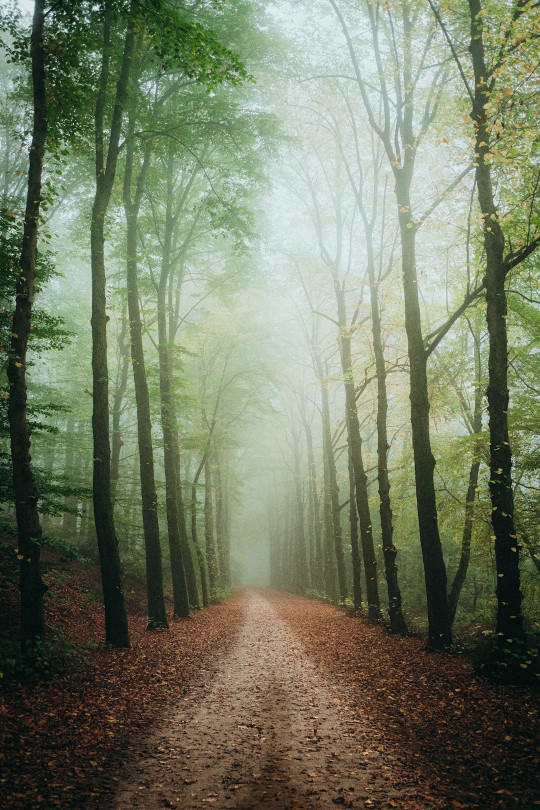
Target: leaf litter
<point>265,700</point>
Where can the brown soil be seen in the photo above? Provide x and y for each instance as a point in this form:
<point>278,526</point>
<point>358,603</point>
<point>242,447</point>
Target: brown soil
<point>266,700</point>
<point>264,732</point>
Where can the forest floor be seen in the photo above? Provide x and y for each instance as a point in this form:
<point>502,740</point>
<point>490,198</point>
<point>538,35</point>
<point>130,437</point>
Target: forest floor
<point>265,700</point>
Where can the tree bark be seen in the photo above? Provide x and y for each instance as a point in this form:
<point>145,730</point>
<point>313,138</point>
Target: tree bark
<point>355,549</point>
<point>69,518</point>
<point>116,626</point>
<point>476,429</point>
<point>210,545</point>
<point>180,591</point>
<point>439,632</point>
<point>300,564</point>
<point>355,450</point>
<point>157,616</point>
<point>509,627</point>
<point>187,551</point>
<point>194,538</point>
<point>119,393</point>
<point>401,153</point>
<point>397,620</point>
<point>332,490</point>
<point>331,520</point>
<point>316,555</point>
<point>222,529</point>
<point>31,585</point>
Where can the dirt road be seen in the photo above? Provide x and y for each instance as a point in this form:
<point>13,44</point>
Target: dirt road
<point>263,730</point>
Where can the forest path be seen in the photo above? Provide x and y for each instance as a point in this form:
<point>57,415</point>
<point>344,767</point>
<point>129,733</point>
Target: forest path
<point>266,730</point>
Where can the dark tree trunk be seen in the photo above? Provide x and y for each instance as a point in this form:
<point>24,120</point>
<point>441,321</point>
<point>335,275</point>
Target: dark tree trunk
<point>116,627</point>
<point>509,628</point>
<point>31,585</point>
<point>439,633</point>
<point>157,617</point>
<point>401,152</point>
<point>397,621</point>
<point>355,450</point>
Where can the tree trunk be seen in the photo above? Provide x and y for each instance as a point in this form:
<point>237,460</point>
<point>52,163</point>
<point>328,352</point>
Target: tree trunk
<point>355,450</point>
<point>509,627</point>
<point>211,557</point>
<point>355,550</point>
<point>316,555</point>
<point>69,518</point>
<point>119,393</point>
<point>439,632</point>
<point>180,591</point>
<point>157,616</point>
<point>187,552</point>
<point>300,565</point>
<point>333,489</point>
<point>31,585</point>
<point>465,555</point>
<point>397,621</point>
<point>222,534</point>
<point>116,627</point>
<point>195,540</point>
<point>400,148</point>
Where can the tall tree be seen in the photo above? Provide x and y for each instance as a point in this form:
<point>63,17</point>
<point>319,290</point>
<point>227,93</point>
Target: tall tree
<point>493,56</point>
<point>333,259</point>
<point>194,49</point>
<point>369,218</point>
<point>157,618</point>
<point>400,134</point>
<point>107,140</point>
<point>31,585</point>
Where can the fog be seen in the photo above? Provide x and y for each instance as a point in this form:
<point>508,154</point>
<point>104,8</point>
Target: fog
<point>310,243</point>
